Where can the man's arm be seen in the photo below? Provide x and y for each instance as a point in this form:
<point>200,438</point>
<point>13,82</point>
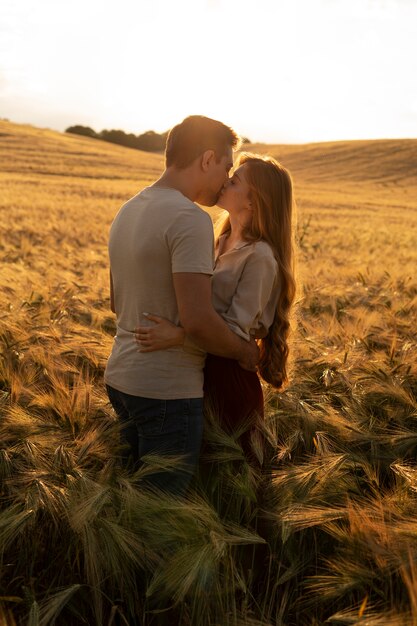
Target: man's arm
<point>112,307</point>
<point>207,329</point>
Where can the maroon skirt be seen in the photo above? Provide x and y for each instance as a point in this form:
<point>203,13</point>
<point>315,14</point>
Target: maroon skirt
<point>234,393</point>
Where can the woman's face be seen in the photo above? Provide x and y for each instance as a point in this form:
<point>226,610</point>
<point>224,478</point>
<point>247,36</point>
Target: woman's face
<point>235,196</point>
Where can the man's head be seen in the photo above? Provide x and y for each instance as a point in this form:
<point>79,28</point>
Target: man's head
<point>205,145</point>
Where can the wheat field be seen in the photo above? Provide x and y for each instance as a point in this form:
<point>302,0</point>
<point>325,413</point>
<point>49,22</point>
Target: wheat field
<point>332,537</point>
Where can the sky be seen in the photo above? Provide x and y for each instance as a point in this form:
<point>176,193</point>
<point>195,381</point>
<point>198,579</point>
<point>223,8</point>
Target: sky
<point>277,71</point>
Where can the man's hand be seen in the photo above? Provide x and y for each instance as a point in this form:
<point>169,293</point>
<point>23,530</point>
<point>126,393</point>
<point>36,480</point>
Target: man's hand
<point>251,359</point>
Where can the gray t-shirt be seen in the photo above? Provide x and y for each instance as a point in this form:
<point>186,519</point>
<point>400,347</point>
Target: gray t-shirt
<point>155,234</point>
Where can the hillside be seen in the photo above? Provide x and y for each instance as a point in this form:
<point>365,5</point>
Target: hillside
<point>60,192</point>
<point>29,150</point>
<point>392,161</point>
<point>388,162</point>
<point>337,514</point>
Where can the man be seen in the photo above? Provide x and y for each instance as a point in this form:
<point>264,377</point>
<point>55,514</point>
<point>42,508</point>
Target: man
<point>161,260</point>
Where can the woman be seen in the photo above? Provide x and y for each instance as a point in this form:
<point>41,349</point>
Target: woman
<point>253,290</point>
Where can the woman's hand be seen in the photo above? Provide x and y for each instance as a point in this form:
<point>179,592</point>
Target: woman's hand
<point>162,335</point>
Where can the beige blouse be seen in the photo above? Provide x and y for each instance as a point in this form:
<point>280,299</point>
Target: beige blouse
<point>245,287</point>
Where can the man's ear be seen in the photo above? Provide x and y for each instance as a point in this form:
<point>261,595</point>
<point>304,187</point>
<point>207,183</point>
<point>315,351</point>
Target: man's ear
<point>206,159</point>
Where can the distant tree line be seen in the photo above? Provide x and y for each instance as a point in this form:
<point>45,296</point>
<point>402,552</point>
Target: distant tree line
<point>149,141</point>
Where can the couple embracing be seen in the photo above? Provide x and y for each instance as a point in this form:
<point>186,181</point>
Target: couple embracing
<point>198,320</point>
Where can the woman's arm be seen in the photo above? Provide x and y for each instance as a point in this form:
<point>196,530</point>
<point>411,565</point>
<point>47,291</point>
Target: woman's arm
<point>253,300</point>
<point>162,335</point>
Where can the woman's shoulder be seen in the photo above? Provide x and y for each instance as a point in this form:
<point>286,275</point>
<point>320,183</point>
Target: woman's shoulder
<point>262,258</point>
<point>263,249</point>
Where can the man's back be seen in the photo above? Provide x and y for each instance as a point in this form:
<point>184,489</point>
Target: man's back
<point>155,234</point>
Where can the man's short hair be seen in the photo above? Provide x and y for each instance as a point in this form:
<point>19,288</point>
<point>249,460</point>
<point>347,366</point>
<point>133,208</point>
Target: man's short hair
<point>195,135</point>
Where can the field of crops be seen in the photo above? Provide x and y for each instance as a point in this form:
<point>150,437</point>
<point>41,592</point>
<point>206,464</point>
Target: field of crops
<point>332,538</point>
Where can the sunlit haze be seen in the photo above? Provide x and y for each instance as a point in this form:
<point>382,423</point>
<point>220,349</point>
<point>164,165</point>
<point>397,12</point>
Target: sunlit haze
<point>283,71</point>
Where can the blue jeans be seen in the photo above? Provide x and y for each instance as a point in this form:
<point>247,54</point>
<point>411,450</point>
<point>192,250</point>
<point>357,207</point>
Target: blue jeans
<point>163,427</point>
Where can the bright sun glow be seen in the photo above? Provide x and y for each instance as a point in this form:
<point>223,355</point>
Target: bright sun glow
<point>276,70</point>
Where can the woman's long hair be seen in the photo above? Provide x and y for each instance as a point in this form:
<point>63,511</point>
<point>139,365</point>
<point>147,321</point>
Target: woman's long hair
<point>271,196</point>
